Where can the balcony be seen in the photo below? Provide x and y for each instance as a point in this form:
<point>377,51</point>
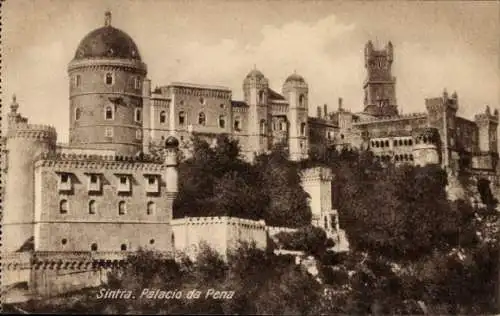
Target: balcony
<point>124,184</point>
<point>65,183</point>
<point>152,183</point>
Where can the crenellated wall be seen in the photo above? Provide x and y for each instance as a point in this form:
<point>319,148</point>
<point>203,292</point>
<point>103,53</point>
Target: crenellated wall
<point>221,233</point>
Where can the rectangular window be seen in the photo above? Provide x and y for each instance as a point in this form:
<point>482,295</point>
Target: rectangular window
<point>108,132</point>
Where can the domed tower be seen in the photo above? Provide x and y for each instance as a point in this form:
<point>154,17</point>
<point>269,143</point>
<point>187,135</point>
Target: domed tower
<point>426,149</point>
<point>255,91</point>
<point>295,91</point>
<point>24,143</point>
<point>106,76</point>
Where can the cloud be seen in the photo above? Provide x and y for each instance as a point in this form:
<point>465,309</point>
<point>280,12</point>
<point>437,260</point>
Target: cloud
<point>299,46</point>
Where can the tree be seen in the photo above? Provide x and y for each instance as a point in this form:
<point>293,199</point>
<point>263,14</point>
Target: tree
<point>216,181</point>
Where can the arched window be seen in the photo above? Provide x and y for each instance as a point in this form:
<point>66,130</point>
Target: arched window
<point>202,119</point>
<point>64,241</point>
<point>138,115</point>
<point>400,142</point>
<point>405,142</point>
<point>326,222</point>
<point>386,143</point>
<point>302,101</point>
<point>395,143</point>
<point>92,207</point>
<point>202,101</point>
<point>163,117</point>
<point>182,118</point>
<point>410,142</point>
<point>237,123</point>
<point>122,208</point>
<point>263,126</point>
<point>137,82</point>
<point>150,208</point>
<point>63,207</point>
<point>303,129</point>
<point>261,97</point>
<point>151,241</point>
<point>109,113</point>
<point>93,247</point>
<point>109,78</point>
<point>222,121</point>
<point>78,114</point>
<point>77,80</point>
<point>173,240</point>
<point>123,247</point>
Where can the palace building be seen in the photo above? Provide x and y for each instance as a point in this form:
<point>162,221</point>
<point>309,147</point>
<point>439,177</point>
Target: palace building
<point>103,194</point>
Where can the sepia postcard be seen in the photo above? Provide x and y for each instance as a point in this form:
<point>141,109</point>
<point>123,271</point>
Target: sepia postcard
<point>257,157</point>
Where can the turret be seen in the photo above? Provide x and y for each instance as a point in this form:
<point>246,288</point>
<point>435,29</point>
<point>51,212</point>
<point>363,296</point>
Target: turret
<point>487,124</point>
<point>171,174</point>
<point>295,91</point>
<point>24,143</point>
<point>255,91</point>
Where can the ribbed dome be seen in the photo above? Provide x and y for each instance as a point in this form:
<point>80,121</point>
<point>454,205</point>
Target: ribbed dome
<point>295,78</point>
<point>255,73</point>
<point>107,42</point>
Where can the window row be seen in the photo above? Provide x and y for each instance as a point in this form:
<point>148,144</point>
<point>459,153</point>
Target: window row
<point>202,119</point>
<point>123,183</point>
<point>395,143</point>
<point>279,126</point>
<point>109,79</point>
<point>94,247</point>
<point>109,114</point>
<point>109,133</point>
<point>397,158</point>
<point>64,207</point>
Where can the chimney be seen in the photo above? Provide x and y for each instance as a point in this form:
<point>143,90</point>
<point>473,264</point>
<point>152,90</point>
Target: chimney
<point>340,104</point>
<point>325,110</point>
<point>318,111</point>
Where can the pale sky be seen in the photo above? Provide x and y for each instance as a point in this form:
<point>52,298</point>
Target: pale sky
<point>452,44</point>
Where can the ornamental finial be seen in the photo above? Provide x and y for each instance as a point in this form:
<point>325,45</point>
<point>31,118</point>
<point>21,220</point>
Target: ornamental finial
<point>14,105</point>
<point>107,18</point>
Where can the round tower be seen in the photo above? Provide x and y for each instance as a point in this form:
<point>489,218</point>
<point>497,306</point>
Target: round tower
<point>295,91</point>
<point>24,143</point>
<point>255,91</point>
<point>172,174</point>
<point>426,147</point>
<point>105,92</point>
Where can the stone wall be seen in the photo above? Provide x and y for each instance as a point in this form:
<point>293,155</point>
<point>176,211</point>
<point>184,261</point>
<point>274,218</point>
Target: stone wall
<point>93,216</point>
<point>221,233</point>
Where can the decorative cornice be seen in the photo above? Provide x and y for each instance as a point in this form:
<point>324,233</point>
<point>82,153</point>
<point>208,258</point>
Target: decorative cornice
<point>33,131</point>
<point>247,223</point>
<point>107,63</point>
<point>83,161</point>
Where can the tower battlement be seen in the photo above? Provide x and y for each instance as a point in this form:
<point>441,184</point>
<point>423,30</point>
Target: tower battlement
<point>487,116</point>
<point>32,131</point>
